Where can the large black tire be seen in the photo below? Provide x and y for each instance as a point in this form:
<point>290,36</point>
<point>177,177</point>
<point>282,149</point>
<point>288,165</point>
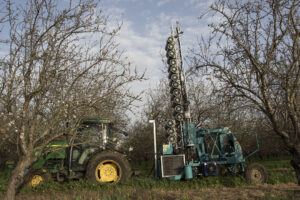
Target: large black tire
<point>256,173</point>
<point>36,176</point>
<point>109,167</point>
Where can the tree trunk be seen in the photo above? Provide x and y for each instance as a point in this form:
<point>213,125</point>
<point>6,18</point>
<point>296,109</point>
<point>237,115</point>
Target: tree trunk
<point>16,177</point>
<point>2,165</point>
<point>296,166</point>
<point>295,162</point>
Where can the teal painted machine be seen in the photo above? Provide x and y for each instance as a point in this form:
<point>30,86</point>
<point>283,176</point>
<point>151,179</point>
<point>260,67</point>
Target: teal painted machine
<point>208,153</point>
<point>190,151</point>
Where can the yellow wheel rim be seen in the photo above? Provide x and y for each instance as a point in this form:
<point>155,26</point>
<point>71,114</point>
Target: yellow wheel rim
<point>36,180</point>
<point>108,171</point>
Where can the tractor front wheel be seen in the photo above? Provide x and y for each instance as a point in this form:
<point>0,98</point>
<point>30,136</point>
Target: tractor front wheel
<point>108,167</point>
<point>256,173</point>
<point>36,177</point>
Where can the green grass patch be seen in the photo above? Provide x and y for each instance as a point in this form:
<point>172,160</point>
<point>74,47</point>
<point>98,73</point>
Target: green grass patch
<point>146,181</point>
<point>66,186</point>
<point>4,176</point>
<point>164,184</point>
<point>285,177</point>
<point>197,183</point>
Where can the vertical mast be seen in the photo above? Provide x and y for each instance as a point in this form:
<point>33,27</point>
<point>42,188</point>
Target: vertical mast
<point>183,79</point>
<point>176,133</point>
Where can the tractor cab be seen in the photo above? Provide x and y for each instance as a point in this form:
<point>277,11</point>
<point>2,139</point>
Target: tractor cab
<point>93,132</point>
<point>100,133</point>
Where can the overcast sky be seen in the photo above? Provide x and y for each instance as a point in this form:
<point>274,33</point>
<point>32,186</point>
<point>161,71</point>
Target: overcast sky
<point>146,26</point>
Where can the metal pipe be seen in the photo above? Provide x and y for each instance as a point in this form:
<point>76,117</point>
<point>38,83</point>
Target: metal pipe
<point>155,148</point>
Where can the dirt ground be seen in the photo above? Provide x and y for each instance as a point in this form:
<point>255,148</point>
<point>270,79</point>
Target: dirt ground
<point>278,191</point>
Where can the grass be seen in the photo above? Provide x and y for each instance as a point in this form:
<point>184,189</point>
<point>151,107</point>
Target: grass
<point>4,176</point>
<point>144,184</point>
<point>150,184</point>
<point>286,177</point>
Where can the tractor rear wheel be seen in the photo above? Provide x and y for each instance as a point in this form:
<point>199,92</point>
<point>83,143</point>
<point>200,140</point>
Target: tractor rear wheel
<point>256,173</point>
<point>36,177</point>
<point>108,167</point>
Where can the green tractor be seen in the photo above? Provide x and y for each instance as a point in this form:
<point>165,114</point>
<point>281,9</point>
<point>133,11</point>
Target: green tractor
<point>91,153</point>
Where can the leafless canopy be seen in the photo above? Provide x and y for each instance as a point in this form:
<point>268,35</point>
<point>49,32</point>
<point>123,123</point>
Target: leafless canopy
<point>62,62</point>
<point>253,55</point>
<point>255,58</point>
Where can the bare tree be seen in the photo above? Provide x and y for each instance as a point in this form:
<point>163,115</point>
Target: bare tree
<point>62,63</point>
<point>253,53</point>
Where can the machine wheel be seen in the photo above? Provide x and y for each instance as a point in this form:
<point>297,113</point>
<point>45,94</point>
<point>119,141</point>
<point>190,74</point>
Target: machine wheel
<point>36,177</point>
<point>108,167</point>
<point>222,170</point>
<point>256,173</point>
